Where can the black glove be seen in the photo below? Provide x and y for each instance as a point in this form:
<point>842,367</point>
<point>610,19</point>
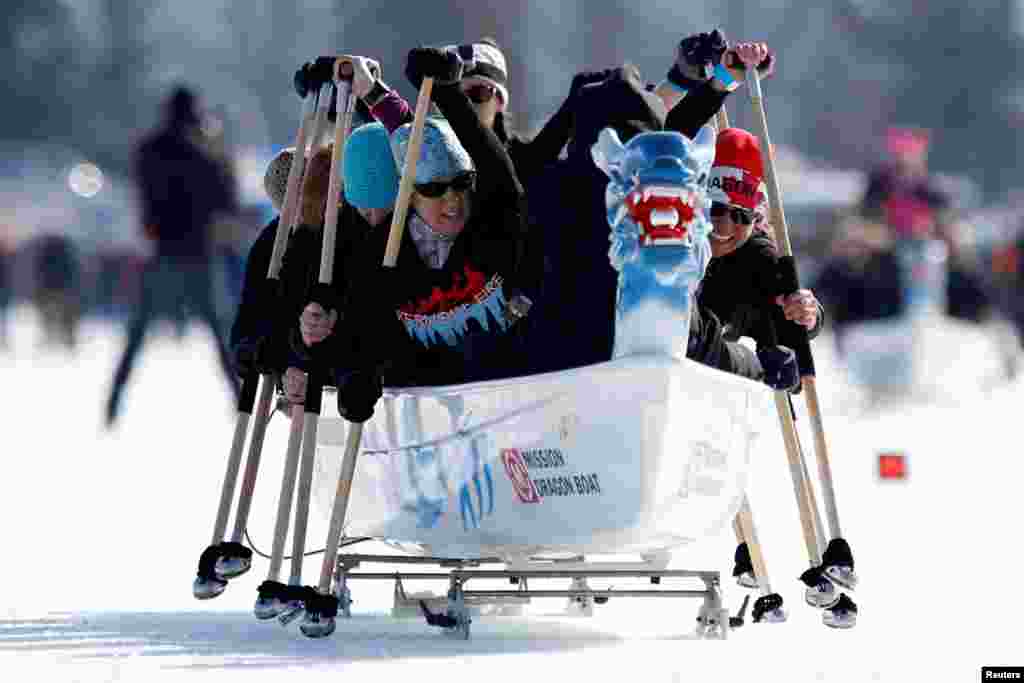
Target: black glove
<point>312,75</point>
<point>303,80</point>
<point>586,78</point>
<point>444,66</point>
<point>781,371</point>
<point>357,395</point>
<point>254,355</point>
<point>325,295</point>
<point>696,56</point>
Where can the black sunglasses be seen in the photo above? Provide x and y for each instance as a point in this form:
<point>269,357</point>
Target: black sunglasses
<point>460,183</point>
<point>480,93</point>
<point>738,215</point>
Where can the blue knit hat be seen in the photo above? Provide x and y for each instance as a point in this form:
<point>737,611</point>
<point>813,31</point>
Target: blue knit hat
<point>441,154</point>
<point>370,176</point>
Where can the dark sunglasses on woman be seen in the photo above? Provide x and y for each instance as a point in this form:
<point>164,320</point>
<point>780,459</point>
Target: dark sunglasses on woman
<point>463,182</point>
<point>738,215</point>
<point>480,93</point>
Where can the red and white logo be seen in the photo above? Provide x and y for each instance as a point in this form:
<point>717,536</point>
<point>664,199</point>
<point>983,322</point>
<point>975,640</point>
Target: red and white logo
<point>519,475</point>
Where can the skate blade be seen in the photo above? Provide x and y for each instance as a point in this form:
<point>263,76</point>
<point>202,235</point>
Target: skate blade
<point>265,611</point>
<point>840,623</point>
<point>290,613</point>
<point>820,604</point>
<point>841,576</point>
<point>747,580</point>
<point>320,629</point>
<point>232,568</point>
<point>776,616</point>
<point>206,589</point>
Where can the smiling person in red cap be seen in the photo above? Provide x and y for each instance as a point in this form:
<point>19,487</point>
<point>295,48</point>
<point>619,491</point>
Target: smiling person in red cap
<point>741,285</point>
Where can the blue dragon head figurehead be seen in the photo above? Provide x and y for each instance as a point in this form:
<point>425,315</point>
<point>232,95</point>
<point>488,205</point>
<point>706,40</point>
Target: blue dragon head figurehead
<point>656,201</point>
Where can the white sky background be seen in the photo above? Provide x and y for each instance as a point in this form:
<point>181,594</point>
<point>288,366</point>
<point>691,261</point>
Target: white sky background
<point>101,533</point>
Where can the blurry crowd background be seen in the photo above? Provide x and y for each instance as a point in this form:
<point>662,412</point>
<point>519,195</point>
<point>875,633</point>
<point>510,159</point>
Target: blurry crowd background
<point>87,78</point>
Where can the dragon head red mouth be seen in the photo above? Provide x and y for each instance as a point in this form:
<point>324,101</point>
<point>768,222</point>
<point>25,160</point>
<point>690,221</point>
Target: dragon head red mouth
<point>664,214</point>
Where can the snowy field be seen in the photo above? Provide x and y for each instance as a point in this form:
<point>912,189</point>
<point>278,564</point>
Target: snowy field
<point>101,533</point>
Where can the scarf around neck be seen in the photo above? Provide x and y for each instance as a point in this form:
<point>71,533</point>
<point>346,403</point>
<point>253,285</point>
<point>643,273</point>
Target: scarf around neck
<point>432,246</point>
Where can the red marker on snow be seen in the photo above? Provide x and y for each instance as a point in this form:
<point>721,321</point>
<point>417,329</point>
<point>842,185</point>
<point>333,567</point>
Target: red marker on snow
<point>892,465</point>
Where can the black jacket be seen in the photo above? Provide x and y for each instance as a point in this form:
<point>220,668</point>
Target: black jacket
<point>573,323</point>
<point>857,290</point>
<point>740,289</point>
<point>421,326</point>
<point>182,188</point>
<point>273,309</point>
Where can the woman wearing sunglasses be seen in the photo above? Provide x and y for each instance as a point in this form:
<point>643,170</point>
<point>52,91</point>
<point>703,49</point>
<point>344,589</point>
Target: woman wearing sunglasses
<point>448,311</point>
<point>742,280</point>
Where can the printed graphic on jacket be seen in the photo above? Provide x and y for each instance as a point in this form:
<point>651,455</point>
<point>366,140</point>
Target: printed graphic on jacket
<point>444,315</point>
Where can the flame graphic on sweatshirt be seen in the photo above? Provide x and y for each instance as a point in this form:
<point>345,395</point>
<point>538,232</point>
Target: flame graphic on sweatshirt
<point>444,315</point>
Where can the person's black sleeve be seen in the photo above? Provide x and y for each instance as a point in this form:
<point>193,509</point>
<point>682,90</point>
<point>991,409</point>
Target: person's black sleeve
<point>708,346</point>
<point>371,336</point>
<point>529,157</point>
<point>499,196</point>
<point>693,111</point>
<point>496,177</point>
<point>253,319</point>
<point>149,183</point>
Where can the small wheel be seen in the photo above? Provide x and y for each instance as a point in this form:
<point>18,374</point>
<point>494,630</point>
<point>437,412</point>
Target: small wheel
<point>723,623</point>
<point>345,603</point>
<point>712,623</point>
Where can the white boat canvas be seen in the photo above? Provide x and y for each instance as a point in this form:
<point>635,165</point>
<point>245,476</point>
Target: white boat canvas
<point>636,455</point>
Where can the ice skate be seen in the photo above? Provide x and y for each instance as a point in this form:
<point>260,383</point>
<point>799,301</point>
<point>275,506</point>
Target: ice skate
<point>837,564</point>
<point>235,559</point>
<point>768,609</point>
<point>821,593</point>
<point>270,602</point>
<point>843,614</point>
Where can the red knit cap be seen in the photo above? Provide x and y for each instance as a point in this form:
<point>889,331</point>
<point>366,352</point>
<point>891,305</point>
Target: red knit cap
<point>737,175</point>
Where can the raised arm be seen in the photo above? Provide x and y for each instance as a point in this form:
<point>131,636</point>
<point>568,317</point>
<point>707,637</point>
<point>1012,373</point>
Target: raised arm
<point>385,104</point>
<point>496,177</point>
<point>530,156</point>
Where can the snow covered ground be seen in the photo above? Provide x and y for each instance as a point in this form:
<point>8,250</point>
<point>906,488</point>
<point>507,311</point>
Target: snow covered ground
<point>101,532</point>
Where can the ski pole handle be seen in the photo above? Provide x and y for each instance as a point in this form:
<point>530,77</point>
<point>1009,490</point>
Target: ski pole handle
<point>722,119</point>
<point>342,125</point>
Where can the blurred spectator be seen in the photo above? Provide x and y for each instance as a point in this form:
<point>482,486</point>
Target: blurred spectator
<point>57,290</point>
<point>185,191</point>
<point>902,187</point>
<point>969,296</point>
<point>885,262</point>
<point>1008,275</point>
<point>861,279</point>
<point>5,290</point>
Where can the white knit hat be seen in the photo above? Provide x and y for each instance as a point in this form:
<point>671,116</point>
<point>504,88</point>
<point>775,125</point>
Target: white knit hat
<point>441,153</point>
<point>485,63</point>
<point>275,180</point>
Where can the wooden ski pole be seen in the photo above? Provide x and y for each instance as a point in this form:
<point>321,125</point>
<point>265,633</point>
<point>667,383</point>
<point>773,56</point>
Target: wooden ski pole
<point>320,620</point>
<point>837,546</point>
<point>286,224</point>
<point>722,119</point>
<point>233,558</point>
<point>271,593</point>
<point>315,378</point>
<point>743,523</point>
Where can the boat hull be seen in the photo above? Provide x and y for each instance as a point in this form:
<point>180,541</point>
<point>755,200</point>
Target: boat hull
<point>637,455</point>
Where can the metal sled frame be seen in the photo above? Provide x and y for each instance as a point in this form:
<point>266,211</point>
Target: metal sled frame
<point>712,620</point>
